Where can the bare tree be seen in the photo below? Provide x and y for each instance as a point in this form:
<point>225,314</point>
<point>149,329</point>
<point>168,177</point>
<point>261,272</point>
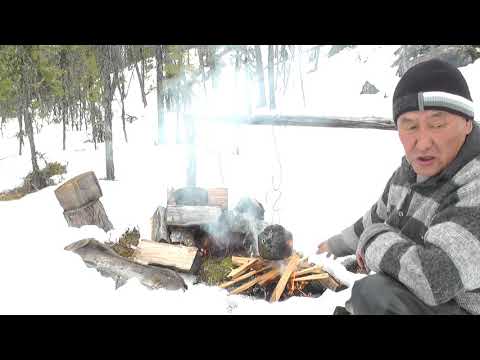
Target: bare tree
<point>262,100</point>
<point>271,80</point>
<point>201,55</point>
<point>27,85</point>
<point>300,72</point>
<point>20,131</point>
<point>107,54</point>
<point>137,54</point>
<point>121,87</point>
<point>159,56</point>
<point>63,67</point>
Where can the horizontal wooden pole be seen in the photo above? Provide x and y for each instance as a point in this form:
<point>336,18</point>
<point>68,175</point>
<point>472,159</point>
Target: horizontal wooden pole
<point>366,122</point>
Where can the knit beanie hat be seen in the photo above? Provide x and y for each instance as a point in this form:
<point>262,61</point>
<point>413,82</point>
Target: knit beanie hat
<point>433,84</point>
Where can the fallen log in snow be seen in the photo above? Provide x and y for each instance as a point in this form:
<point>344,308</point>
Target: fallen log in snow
<point>367,122</point>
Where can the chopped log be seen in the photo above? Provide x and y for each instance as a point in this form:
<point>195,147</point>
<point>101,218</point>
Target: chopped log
<point>243,277</point>
<point>182,236</point>
<point>192,215</point>
<point>218,197</point>
<point>79,191</point>
<point>240,270</point>
<point>159,226</point>
<point>191,196</point>
<point>79,198</point>
<point>181,258</point>
<point>291,266</point>
<point>312,277</point>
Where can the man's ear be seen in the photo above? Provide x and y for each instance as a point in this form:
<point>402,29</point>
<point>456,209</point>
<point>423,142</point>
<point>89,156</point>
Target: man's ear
<point>469,126</point>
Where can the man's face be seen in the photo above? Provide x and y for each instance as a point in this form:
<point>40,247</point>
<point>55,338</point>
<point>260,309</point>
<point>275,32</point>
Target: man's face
<point>432,139</point>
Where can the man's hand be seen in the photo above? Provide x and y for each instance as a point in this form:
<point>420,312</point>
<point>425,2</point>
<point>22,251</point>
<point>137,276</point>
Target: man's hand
<point>361,261</point>
<point>323,247</point>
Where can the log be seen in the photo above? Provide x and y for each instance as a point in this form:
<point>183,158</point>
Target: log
<point>218,197</point>
<point>159,226</point>
<point>182,236</point>
<point>370,122</point>
<point>108,263</point>
<point>90,214</point>
<point>178,257</point>
<point>196,196</point>
<point>79,191</point>
<point>291,266</point>
<point>192,215</point>
<point>191,196</point>
<point>79,198</point>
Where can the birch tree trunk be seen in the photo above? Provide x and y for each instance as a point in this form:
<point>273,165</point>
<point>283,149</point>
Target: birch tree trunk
<point>271,80</point>
<point>161,138</point>
<point>262,100</point>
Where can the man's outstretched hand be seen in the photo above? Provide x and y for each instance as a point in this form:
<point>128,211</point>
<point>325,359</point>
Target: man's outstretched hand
<point>324,248</point>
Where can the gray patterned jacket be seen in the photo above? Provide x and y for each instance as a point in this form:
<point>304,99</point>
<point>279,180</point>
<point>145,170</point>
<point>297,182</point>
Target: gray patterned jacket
<point>426,234</point>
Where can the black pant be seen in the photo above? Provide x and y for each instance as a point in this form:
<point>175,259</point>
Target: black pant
<point>379,294</point>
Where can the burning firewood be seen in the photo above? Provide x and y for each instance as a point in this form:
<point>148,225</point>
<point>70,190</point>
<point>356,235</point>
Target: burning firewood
<point>243,277</point>
<point>298,277</point>
<point>240,270</point>
<point>312,277</point>
<point>291,266</point>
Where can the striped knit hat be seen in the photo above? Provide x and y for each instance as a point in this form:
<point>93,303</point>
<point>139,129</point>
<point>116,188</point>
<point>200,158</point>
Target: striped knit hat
<point>433,84</point>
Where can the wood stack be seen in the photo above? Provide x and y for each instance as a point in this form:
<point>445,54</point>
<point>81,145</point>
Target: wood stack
<point>294,276</point>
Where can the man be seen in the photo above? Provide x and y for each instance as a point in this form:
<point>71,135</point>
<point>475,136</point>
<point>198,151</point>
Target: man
<point>422,237</point>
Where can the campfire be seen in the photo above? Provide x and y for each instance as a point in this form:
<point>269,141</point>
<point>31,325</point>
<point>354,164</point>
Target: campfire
<point>197,233</point>
<point>276,280</point>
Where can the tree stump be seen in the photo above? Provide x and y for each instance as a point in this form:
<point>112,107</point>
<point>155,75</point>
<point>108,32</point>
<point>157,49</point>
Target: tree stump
<point>79,198</point>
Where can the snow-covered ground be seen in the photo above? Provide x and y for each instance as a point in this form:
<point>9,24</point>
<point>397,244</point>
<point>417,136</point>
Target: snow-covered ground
<point>327,179</point>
